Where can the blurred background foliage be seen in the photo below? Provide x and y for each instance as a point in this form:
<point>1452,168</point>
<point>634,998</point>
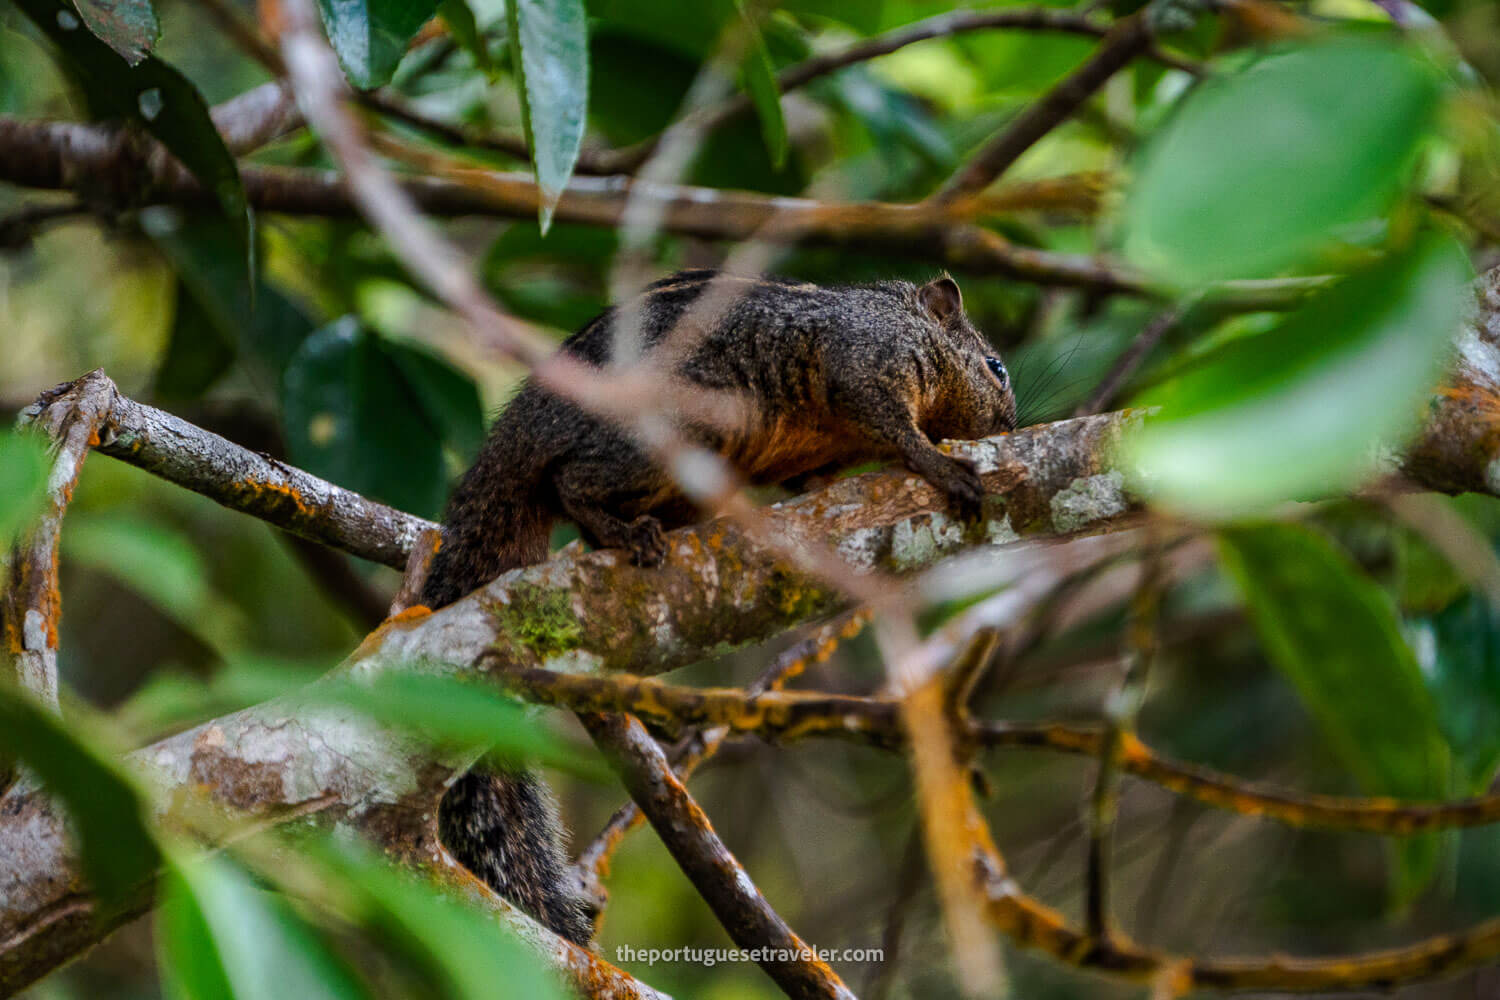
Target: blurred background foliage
<point>1342,654</point>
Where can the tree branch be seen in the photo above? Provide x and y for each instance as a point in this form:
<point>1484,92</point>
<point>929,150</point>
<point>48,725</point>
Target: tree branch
<point>940,26</point>
<point>719,878</point>
<point>31,601</point>
<point>240,479</point>
<point>1127,39</point>
<point>110,165</point>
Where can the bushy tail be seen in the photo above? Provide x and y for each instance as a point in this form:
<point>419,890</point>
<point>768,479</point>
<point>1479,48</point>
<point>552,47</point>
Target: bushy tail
<point>500,822</point>
<point>502,825</point>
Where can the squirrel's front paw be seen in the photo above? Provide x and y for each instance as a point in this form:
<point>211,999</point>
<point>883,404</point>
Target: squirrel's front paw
<point>964,489</point>
<point>648,547</point>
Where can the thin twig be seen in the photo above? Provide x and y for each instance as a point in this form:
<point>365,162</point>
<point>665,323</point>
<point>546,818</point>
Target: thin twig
<point>1107,391</point>
<point>21,226</point>
<point>719,878</point>
<point>939,26</point>
<point>787,716</point>
<point>1126,40</point>
<point>699,744</point>
<point>1120,712</point>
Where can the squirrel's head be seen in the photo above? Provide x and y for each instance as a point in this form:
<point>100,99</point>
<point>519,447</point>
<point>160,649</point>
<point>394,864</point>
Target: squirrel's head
<point>978,397</point>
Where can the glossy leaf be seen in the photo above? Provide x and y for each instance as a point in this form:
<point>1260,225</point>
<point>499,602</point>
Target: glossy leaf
<point>222,938</point>
<point>1297,412</point>
<point>550,53</point>
<point>1459,648</point>
<point>155,96</point>
<point>1259,169</point>
<point>24,466</point>
<point>355,414</point>
<point>371,36</point>
<point>119,852</point>
<point>759,80</point>
<point>127,26</point>
<point>1334,635</point>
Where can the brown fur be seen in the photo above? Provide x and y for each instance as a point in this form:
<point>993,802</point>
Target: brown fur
<point>832,376</point>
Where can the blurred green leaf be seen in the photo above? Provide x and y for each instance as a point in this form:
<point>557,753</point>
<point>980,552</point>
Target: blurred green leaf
<point>24,466</point>
<point>171,700</point>
<point>371,36</point>
<point>365,413</point>
<point>1459,648</point>
<point>197,354</point>
<point>119,852</point>
<point>759,80</point>
<point>155,96</point>
<point>463,947</point>
<point>1334,635</point>
<point>162,565</point>
<point>127,26</point>
<point>446,709</point>
<point>556,280</point>
<point>222,938</point>
<point>459,17</point>
<point>1259,169</point>
<point>550,53</point>
<point>1298,411</point>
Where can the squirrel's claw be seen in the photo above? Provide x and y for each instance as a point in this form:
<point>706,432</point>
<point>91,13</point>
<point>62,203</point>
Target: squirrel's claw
<point>648,546</point>
<point>964,489</point>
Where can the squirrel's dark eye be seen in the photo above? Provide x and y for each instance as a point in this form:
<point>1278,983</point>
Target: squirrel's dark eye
<point>997,368</point>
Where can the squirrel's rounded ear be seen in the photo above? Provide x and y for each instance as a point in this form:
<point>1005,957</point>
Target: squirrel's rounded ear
<point>941,298</point>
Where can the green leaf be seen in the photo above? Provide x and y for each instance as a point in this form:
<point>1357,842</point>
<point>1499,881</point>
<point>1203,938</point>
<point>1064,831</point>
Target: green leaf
<point>155,96</point>
<point>371,36</point>
<point>1334,635</point>
<point>373,416</point>
<point>1460,652</point>
<point>119,852</point>
<point>449,398</point>
<point>459,17</point>
<point>1298,411</point>
<point>759,80</point>
<point>1258,170</point>
<point>445,709</point>
<point>464,948</point>
<point>550,53</point>
<point>127,26</point>
<point>224,939</point>
<point>24,466</point>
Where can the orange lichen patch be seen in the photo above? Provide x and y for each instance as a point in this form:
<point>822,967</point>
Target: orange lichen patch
<point>410,616</point>
<point>280,494</point>
<point>406,619</point>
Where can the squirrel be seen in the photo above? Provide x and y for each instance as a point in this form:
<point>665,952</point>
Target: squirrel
<point>832,376</point>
